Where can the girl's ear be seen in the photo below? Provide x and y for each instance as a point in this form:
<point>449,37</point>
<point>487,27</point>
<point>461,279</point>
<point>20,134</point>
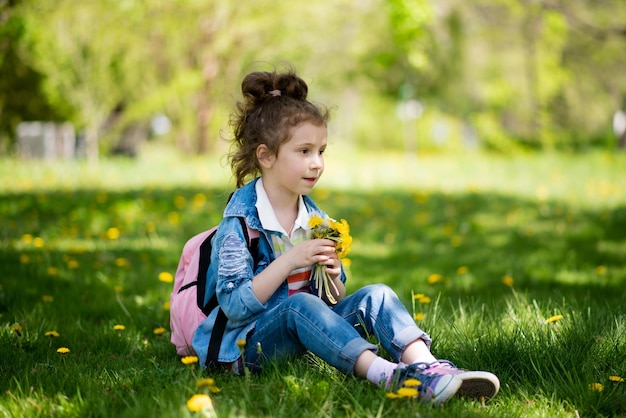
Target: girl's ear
<point>265,157</point>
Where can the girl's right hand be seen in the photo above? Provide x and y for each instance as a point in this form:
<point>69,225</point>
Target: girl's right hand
<point>312,251</point>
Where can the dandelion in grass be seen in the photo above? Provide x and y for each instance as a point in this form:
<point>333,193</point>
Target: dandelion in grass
<point>206,382</point>
<point>241,344</point>
<point>72,264</point>
<point>462,270</point>
<point>200,402</point>
<point>418,316</point>
<point>121,262</point>
<point>554,318</point>
<point>187,360</point>
<point>113,233</point>
<point>600,270</point>
<point>166,277</point>
<point>158,331</point>
<point>17,329</point>
<point>119,327</point>
<point>421,298</point>
<point>47,298</point>
<point>52,334</point>
<point>63,350</point>
<point>508,281</point>
<point>166,305</point>
<point>338,231</point>
<point>52,271</point>
<point>596,387</point>
<point>118,288</point>
<point>24,259</point>
<point>616,379</point>
<point>434,278</point>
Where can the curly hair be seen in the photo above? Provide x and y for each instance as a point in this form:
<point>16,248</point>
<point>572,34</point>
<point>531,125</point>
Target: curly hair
<point>273,104</point>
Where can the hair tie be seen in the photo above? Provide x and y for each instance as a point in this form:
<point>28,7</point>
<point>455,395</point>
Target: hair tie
<point>274,93</point>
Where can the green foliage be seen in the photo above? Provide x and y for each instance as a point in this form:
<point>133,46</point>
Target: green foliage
<point>79,256</point>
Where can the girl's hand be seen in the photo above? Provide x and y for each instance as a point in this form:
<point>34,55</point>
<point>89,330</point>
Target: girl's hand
<point>314,251</point>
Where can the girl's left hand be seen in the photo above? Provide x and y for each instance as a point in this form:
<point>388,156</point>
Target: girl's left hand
<point>333,265</point>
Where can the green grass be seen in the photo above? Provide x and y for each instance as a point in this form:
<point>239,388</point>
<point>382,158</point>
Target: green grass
<point>554,224</point>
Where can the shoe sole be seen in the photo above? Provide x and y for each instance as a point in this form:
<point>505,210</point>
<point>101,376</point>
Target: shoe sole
<point>480,386</point>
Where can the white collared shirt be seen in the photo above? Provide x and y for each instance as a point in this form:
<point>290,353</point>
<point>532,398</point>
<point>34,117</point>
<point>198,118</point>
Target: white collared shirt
<point>298,280</point>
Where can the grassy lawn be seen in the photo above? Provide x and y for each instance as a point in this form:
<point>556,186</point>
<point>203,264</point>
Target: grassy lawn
<point>521,262</point>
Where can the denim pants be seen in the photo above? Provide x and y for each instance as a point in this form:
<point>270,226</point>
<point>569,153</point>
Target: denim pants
<point>337,334</point>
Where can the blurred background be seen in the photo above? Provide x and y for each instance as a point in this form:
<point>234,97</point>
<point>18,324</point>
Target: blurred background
<point>96,78</point>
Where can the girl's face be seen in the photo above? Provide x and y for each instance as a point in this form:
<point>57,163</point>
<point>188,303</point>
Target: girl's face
<point>299,162</point>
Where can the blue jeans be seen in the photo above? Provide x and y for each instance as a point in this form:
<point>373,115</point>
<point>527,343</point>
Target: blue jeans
<point>337,334</point>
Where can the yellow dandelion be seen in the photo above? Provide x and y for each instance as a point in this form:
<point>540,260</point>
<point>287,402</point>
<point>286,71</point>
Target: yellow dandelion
<point>63,350</point>
<point>38,242</point>
<point>418,316</point>
<point>121,262</point>
<point>411,383</point>
<point>72,264</point>
<point>418,296</point>
<point>159,331</point>
<point>241,343</point>
<point>47,298</point>
<point>113,233</point>
<point>392,395</point>
<point>199,402</point>
<point>180,202</point>
<point>24,259</point>
<point>27,238</point>
<point>601,270</point>
<point>166,305</point>
<point>405,392</point>
<point>346,262</point>
<point>206,382</point>
<point>596,387</point>
<point>554,318</point>
<point>456,241</point>
<point>150,226</point>
<point>315,221</point>
<point>119,327</point>
<point>424,299</point>
<point>189,360</point>
<point>17,328</point>
<point>118,288</point>
<point>434,278</point>
<point>462,270</point>
<point>173,218</point>
<point>616,379</point>
<point>508,281</point>
<point>199,200</point>
<point>52,271</point>
<point>52,334</point>
<point>214,389</point>
<point>166,277</point>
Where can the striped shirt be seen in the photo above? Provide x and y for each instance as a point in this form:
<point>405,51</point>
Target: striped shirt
<point>298,280</point>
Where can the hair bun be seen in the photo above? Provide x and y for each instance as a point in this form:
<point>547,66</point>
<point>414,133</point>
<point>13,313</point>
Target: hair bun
<point>259,86</point>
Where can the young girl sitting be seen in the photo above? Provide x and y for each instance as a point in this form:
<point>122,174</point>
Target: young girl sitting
<point>279,142</point>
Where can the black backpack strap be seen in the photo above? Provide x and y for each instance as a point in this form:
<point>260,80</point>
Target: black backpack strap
<point>220,321</point>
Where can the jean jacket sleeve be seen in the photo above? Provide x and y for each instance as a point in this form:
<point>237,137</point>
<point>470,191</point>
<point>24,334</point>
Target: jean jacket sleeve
<point>235,270</point>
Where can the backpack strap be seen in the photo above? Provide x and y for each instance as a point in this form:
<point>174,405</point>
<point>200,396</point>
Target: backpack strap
<point>252,239</point>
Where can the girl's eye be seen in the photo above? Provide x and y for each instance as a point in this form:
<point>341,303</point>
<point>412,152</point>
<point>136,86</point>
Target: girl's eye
<point>304,151</point>
<point>322,151</point>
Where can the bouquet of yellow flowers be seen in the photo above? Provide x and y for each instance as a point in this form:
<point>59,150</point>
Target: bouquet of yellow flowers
<point>338,231</point>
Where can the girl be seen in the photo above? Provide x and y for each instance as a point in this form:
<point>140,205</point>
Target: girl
<point>279,142</point>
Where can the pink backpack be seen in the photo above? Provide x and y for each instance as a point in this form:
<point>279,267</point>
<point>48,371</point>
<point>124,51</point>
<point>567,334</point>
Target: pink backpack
<point>187,307</point>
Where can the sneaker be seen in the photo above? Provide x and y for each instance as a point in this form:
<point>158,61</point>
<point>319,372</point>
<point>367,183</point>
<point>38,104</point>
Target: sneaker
<point>433,387</point>
<point>475,384</point>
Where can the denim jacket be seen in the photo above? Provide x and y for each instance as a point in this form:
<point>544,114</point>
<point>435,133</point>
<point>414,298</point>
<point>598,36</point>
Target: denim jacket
<point>230,275</point>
